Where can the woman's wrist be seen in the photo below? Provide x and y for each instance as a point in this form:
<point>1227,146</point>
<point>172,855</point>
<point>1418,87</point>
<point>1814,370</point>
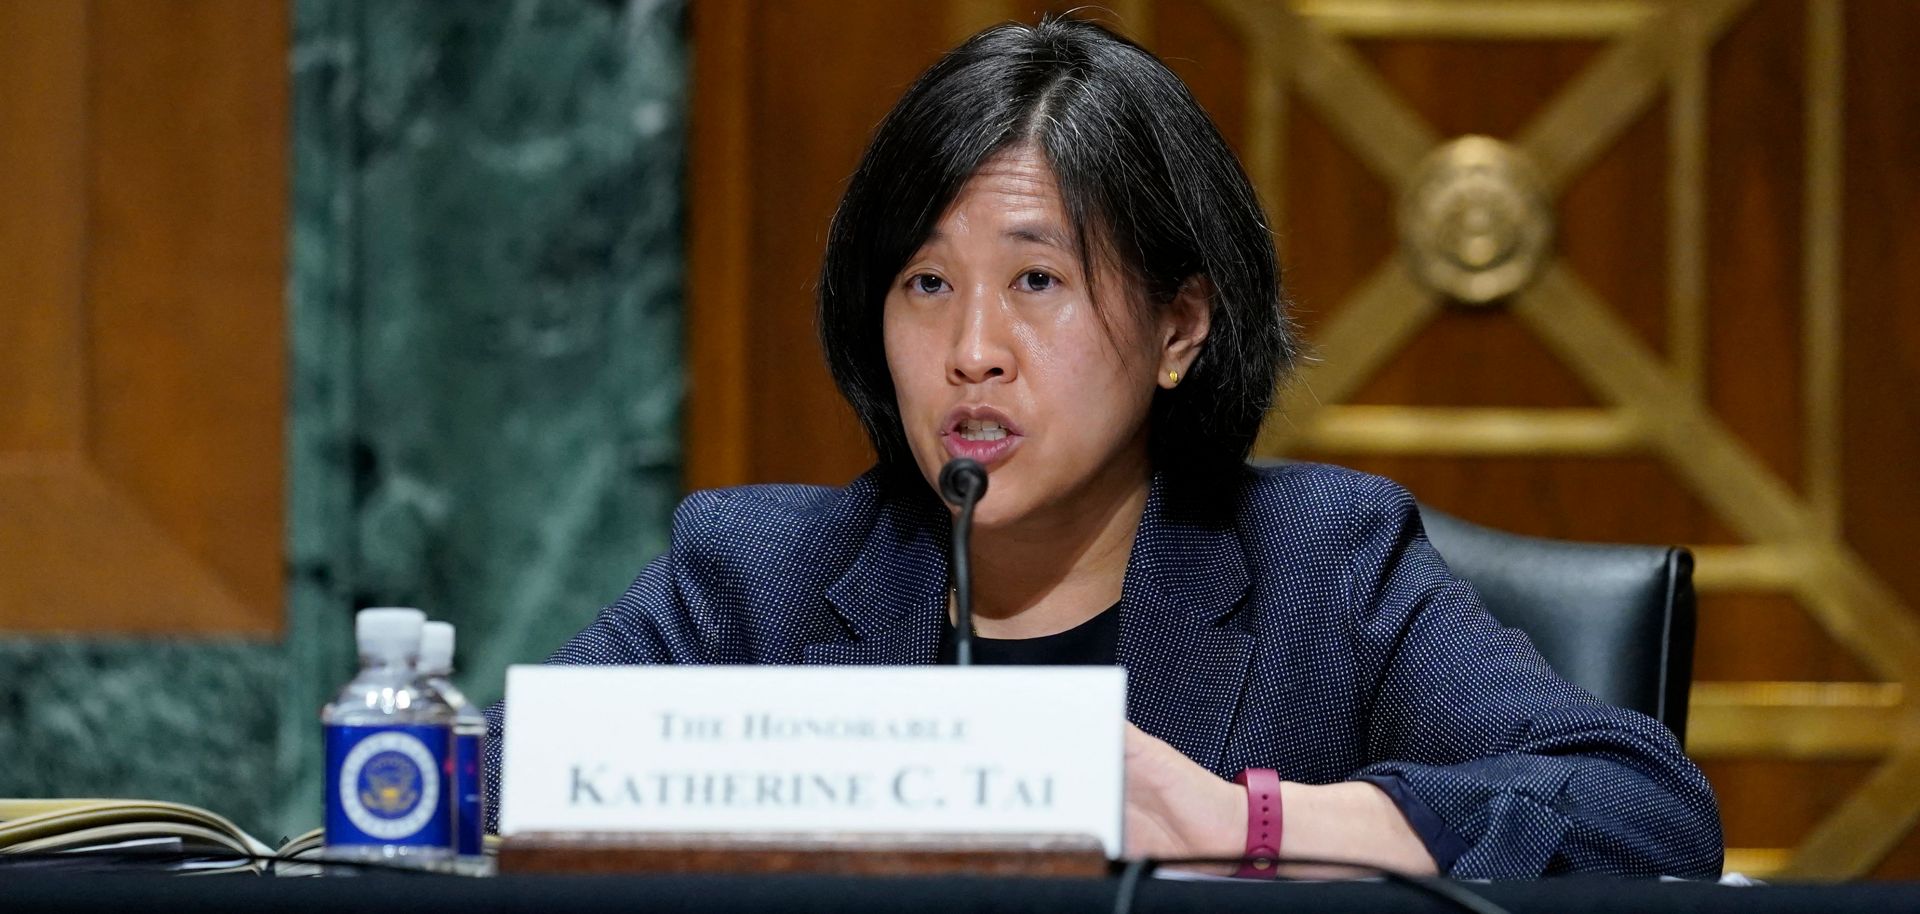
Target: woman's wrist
<point>1214,827</point>
<point>1226,835</point>
<point>1351,821</point>
<point>1219,830</point>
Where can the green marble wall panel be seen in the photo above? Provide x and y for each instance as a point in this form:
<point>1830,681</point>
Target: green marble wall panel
<point>187,721</point>
<point>485,325</point>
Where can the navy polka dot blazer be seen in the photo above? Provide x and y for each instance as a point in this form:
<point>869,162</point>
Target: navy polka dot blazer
<point>1316,633</point>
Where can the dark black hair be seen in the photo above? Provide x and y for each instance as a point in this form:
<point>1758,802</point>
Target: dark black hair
<point>1145,178</point>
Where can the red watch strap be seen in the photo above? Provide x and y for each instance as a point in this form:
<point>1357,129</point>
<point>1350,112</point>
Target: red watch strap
<point>1261,860</point>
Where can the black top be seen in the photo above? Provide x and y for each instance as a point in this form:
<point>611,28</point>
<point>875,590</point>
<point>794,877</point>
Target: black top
<point>1095,642</point>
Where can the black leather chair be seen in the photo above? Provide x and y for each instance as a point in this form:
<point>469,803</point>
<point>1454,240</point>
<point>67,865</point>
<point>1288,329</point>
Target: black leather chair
<point>1617,621</point>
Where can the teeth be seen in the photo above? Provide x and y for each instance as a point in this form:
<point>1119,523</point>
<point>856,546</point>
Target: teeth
<point>981,430</point>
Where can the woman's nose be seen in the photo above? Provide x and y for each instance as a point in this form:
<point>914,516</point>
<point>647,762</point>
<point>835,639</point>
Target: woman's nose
<point>982,350</point>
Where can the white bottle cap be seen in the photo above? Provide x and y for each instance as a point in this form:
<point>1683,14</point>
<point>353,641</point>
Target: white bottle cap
<point>436,648</point>
<point>390,632</point>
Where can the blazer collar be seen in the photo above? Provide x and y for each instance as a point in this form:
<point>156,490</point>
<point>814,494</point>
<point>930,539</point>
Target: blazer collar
<point>1186,575</point>
<point>1182,562</point>
<point>893,596</point>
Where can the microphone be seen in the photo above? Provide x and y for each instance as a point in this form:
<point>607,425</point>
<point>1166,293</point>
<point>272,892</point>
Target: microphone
<point>963,482</point>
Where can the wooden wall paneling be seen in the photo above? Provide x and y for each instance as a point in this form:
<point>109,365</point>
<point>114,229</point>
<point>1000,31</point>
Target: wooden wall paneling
<point>813,122</point>
<point>1879,440</point>
<point>140,468</point>
<point>43,116</point>
<point>1467,85</point>
<point>1755,98</point>
<point>1881,421</point>
<point>1755,635</point>
<point>1469,357</point>
<point>1756,292</point>
<point>1843,826</point>
<point>962,18</point>
<point>1612,228</point>
<point>187,275</point>
<point>720,266</point>
<point>1801,791</point>
<point>1212,59</point>
<point>1552,494</point>
<point>1616,220</point>
<point>1340,206</point>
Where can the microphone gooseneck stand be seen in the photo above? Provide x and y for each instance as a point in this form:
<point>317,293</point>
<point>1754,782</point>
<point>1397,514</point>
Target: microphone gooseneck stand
<point>963,482</point>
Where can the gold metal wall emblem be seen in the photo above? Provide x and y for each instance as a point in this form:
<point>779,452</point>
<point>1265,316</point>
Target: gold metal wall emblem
<point>1475,221</point>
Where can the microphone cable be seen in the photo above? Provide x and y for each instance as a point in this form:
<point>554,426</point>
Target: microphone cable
<point>1446,890</point>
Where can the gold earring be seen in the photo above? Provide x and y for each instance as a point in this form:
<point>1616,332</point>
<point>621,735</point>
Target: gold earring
<point>1174,377</point>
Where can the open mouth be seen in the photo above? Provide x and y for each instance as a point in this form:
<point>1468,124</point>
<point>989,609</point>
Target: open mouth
<point>981,433</point>
<point>980,430</point>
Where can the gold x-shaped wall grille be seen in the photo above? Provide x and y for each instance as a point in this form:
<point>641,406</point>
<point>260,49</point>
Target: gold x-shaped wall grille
<point>1793,543</point>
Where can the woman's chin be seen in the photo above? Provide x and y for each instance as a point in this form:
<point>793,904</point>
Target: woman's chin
<point>1007,500</point>
<point>1001,509</point>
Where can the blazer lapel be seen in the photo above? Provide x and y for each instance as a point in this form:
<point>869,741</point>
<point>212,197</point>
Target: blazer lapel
<point>893,598</point>
<point>1186,663</point>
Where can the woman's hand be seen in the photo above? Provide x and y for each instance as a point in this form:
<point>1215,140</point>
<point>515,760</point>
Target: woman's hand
<point>1175,808</point>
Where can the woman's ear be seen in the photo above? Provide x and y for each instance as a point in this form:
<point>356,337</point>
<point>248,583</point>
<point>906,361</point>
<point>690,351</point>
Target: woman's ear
<point>1183,327</point>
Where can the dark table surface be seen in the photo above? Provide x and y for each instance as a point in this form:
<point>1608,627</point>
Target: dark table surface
<point>93,892</point>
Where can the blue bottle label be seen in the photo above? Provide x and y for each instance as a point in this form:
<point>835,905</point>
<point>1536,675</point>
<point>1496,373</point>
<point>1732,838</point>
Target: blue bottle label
<point>469,821</point>
<point>389,785</point>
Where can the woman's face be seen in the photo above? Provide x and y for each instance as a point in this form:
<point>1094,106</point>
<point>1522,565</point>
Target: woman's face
<point>998,352</point>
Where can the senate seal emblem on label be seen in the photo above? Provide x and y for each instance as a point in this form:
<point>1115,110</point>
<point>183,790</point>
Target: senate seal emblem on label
<point>1475,221</point>
<point>390,785</point>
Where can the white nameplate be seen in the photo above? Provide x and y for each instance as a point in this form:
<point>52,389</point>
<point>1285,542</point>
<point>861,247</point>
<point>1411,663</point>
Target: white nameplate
<point>1027,750</point>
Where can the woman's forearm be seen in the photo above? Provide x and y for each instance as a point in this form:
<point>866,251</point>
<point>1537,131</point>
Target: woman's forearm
<point>1352,821</point>
<point>1179,810</point>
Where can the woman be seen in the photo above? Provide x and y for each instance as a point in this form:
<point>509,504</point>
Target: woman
<point>1050,262</point>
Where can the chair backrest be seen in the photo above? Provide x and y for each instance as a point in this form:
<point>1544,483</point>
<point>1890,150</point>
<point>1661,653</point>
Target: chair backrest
<point>1617,621</point>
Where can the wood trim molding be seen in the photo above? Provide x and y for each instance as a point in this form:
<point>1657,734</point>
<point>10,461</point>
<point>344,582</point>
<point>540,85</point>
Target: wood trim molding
<point>141,405</point>
<point>719,250</point>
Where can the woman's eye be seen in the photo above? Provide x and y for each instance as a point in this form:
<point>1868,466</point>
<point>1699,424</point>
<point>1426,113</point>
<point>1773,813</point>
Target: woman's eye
<point>1037,281</point>
<point>927,284</point>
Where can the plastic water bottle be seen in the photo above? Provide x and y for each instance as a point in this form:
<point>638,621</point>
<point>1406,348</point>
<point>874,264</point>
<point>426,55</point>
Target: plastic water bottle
<point>469,740</point>
<point>389,743</point>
